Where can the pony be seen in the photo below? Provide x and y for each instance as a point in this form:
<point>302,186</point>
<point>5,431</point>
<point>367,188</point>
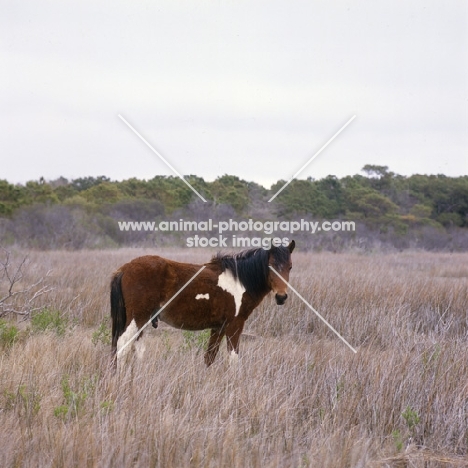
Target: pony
<point>219,295</point>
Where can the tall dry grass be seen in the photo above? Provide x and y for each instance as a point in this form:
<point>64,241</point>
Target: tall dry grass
<point>298,398</point>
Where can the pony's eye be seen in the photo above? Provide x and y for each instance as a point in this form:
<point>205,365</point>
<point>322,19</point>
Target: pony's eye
<point>290,268</point>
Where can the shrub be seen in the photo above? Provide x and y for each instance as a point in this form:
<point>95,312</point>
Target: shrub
<point>48,319</point>
<point>102,335</point>
<point>8,334</point>
<point>197,340</point>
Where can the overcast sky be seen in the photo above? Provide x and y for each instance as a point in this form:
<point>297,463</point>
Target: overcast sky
<point>250,88</point>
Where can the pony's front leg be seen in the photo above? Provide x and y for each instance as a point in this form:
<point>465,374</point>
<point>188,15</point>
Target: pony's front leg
<point>213,346</point>
<point>233,334</point>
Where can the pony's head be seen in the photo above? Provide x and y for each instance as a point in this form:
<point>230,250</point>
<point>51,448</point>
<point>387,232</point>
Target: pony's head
<point>279,259</point>
<point>253,268</point>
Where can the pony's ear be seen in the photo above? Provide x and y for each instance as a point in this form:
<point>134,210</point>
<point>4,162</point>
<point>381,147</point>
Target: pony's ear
<point>291,246</point>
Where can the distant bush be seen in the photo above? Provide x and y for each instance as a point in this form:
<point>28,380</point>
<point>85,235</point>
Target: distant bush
<point>50,227</point>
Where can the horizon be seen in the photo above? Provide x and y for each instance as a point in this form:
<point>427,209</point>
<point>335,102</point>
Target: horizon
<point>361,172</point>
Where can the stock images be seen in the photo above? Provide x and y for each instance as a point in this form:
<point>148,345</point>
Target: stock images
<point>234,234</point>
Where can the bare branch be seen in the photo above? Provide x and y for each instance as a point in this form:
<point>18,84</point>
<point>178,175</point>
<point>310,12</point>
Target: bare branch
<point>20,302</point>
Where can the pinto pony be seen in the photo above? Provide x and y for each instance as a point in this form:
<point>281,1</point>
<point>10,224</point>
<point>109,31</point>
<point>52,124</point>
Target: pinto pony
<point>221,297</point>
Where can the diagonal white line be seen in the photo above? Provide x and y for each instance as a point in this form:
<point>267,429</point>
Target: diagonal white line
<point>312,158</point>
<point>314,311</point>
<point>161,309</point>
<point>160,156</point>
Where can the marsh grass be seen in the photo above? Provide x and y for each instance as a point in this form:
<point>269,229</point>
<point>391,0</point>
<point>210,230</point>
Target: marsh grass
<point>299,397</point>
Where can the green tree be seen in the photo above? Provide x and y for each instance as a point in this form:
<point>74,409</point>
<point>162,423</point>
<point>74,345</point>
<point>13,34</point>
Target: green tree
<point>370,203</point>
<point>230,190</point>
<point>10,196</point>
<point>38,192</point>
<point>103,193</point>
<point>303,196</point>
<point>85,183</point>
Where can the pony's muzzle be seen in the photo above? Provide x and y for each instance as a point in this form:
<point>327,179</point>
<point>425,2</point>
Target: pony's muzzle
<point>281,298</point>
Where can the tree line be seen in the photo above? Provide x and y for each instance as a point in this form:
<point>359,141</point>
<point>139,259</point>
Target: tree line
<point>387,207</point>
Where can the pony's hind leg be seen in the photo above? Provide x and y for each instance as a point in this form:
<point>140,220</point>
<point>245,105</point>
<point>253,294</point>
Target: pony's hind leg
<point>213,346</point>
<point>140,347</point>
<point>126,342</point>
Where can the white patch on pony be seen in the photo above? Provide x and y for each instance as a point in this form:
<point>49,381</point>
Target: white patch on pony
<point>233,286</point>
<point>202,296</point>
<point>140,348</point>
<point>233,357</point>
<point>127,335</point>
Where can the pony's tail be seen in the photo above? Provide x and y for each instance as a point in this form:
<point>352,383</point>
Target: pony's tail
<point>118,311</point>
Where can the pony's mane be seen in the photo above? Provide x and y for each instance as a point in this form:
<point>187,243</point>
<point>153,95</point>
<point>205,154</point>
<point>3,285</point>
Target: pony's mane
<point>251,266</point>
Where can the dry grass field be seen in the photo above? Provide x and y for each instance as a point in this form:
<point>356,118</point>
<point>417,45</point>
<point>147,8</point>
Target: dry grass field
<point>297,398</point>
